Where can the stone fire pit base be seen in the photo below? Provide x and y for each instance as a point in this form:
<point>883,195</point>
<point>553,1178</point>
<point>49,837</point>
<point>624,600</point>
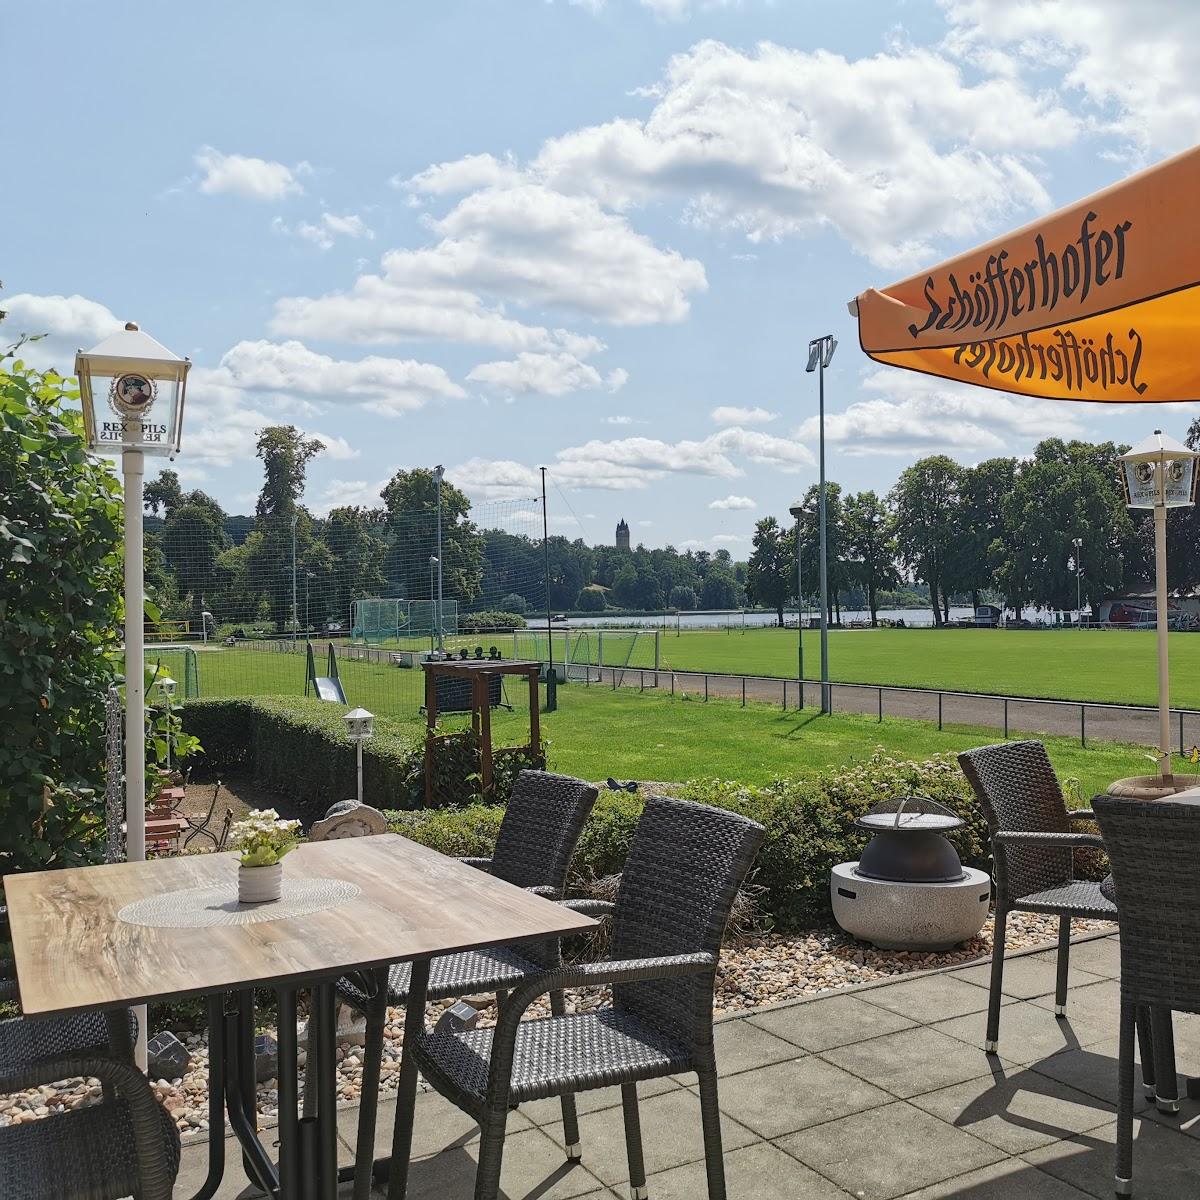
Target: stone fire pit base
<point>1150,787</point>
<point>909,916</point>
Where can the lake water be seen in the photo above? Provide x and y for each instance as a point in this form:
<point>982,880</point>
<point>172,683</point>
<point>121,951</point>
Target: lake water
<point>910,616</point>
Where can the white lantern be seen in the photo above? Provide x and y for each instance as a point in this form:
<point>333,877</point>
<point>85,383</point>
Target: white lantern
<point>1159,471</point>
<point>132,390</point>
<point>167,686</point>
<point>359,724</point>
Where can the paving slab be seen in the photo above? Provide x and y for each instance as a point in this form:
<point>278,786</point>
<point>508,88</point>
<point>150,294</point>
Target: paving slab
<point>1099,956</point>
<point>549,1111</point>
<point>887,1152</point>
<point>931,997</point>
<point>914,1061</point>
<point>758,1172</point>
<point>1025,977</point>
<point>833,1021</point>
<point>1001,1181</point>
<point>1029,1032</point>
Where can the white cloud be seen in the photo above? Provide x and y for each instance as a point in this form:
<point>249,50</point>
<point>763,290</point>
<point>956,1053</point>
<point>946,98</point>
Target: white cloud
<point>336,448</point>
<point>376,312</point>
<point>731,415</point>
<point>908,415</point>
<point>547,374</point>
<point>495,479</point>
<point>619,419</point>
<point>679,10</point>
<point>387,386</point>
<point>460,175</point>
<point>1134,64</point>
<point>69,323</point>
<point>536,246</point>
<point>341,493</point>
<point>733,503</point>
<point>251,178</point>
<point>894,152</point>
<point>729,539</point>
<point>328,228</point>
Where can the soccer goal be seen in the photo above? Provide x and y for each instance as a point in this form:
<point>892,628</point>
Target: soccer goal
<point>391,621</point>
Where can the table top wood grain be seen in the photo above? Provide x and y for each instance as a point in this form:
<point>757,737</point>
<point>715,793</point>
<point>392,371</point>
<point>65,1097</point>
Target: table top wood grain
<point>73,952</point>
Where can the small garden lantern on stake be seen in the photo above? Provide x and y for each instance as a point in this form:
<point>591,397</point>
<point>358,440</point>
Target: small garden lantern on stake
<point>132,391</point>
<point>1160,473</point>
<point>360,725</point>
<point>167,686</point>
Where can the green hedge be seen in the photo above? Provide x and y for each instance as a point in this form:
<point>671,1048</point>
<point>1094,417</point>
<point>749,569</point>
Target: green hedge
<point>809,823</point>
<point>298,748</point>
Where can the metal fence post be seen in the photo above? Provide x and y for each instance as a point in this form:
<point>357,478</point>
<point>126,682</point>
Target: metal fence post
<point>785,695</point>
<point>1006,718</point>
<point>672,683</point>
<point>705,689</point>
<point>1181,731</point>
<point>641,680</point>
<point>881,706</point>
<point>1083,725</point>
<point>939,712</point>
<point>743,691</point>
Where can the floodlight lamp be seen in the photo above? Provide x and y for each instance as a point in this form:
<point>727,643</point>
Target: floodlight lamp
<point>814,356</point>
<point>830,347</point>
<point>797,510</point>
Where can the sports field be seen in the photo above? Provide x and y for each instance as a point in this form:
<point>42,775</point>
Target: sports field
<point>597,732</point>
<point>1110,665</point>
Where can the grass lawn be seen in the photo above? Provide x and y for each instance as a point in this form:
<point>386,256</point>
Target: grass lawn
<point>1111,665</point>
<point>596,732</point>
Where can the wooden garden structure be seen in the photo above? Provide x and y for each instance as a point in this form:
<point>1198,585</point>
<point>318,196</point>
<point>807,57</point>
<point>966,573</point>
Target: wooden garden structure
<point>479,679</point>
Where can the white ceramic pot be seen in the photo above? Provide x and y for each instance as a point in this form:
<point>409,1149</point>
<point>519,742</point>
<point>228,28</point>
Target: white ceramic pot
<point>257,885</point>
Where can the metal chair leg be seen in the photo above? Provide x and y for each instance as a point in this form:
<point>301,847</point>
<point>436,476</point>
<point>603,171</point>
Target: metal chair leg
<point>1145,1038</point>
<point>1124,1165</point>
<point>633,1141</point>
<point>571,1140</point>
<point>997,982</point>
<point>376,1015</point>
<point>1064,962</point>
<point>710,1118</point>
<point>1166,1081</point>
<point>491,1157</point>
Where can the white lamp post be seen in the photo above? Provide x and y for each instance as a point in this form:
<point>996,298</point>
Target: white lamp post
<point>360,725</point>
<point>167,686</point>
<point>132,390</point>
<point>1160,473</point>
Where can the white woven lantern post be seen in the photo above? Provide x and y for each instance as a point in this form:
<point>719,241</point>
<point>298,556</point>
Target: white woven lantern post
<point>1160,473</point>
<point>360,725</point>
<point>132,391</point>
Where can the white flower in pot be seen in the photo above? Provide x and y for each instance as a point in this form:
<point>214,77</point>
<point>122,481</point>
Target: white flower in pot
<point>262,840</point>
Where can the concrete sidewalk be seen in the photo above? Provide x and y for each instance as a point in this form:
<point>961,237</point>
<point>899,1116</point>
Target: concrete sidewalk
<point>876,1094</point>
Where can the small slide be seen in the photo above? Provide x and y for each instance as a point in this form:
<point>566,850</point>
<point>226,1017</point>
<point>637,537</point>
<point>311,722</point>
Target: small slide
<point>325,687</point>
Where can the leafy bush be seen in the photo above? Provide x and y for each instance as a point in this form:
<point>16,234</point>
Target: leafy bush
<point>487,622</point>
<point>809,824</point>
<point>514,602</point>
<point>591,599</point>
<point>298,748</point>
<point>60,604</point>
<point>683,597</point>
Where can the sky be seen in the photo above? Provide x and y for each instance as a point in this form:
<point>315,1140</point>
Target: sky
<point>591,235</point>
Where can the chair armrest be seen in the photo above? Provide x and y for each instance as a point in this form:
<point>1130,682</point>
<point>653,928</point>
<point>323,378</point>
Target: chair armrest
<point>1081,814</point>
<point>144,1112</point>
<point>600,909</point>
<point>1066,841</point>
<point>480,864</point>
<point>546,891</point>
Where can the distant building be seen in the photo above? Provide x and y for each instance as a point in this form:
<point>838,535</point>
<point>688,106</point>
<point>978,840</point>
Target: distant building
<point>622,535</point>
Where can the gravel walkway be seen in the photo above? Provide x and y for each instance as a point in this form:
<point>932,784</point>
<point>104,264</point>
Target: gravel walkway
<point>760,970</point>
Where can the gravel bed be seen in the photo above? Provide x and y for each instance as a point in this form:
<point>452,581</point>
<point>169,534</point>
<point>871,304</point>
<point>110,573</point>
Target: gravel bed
<point>764,969</point>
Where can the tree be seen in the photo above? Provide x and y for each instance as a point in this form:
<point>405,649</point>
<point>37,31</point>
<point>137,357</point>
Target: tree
<point>838,574</point>
<point>163,493</point>
<point>984,535</point>
<point>357,545</point>
<point>720,590</point>
<point>410,498</point>
<point>192,540</point>
<point>591,599</point>
<point>285,454</point>
<point>625,586</point>
<point>772,566</point>
<point>514,602</point>
<point>60,594</point>
<point>870,541</point>
<point>682,597</point>
<point>926,503</point>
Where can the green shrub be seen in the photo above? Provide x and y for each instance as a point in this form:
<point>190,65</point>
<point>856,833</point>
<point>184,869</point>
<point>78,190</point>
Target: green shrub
<point>298,748</point>
<point>809,824</point>
<point>488,622</point>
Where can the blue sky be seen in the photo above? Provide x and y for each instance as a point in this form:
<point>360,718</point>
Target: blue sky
<point>595,236</point>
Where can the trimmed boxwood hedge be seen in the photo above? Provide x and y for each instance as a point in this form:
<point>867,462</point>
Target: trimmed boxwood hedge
<point>809,823</point>
<point>298,748</point>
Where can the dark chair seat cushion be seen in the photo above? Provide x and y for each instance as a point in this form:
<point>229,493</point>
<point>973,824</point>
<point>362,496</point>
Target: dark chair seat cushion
<point>24,1040</point>
<point>87,1154</point>
<point>572,1053</point>
<point>1079,899</point>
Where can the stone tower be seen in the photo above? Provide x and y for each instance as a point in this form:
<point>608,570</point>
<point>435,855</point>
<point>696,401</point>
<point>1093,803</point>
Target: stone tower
<point>622,535</point>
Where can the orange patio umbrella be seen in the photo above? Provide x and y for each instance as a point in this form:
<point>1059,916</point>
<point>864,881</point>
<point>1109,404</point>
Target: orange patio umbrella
<point>1098,301</point>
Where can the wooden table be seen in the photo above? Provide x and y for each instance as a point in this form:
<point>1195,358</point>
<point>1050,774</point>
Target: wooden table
<point>74,953</point>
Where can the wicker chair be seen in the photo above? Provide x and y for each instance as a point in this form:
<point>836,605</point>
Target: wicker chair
<point>541,826</point>
<point>1153,849</point>
<point>128,1146</point>
<point>1033,847</point>
<point>684,869</point>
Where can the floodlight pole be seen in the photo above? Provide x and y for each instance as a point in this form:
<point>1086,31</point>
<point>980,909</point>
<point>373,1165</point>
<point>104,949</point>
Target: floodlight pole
<point>820,353</point>
<point>295,613</point>
<point>798,513</point>
<point>546,569</point>
<point>438,472</point>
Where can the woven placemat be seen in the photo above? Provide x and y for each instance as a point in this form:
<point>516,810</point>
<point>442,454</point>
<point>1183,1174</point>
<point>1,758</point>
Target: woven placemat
<point>217,904</point>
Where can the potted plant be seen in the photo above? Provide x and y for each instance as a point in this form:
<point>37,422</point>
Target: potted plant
<point>262,840</point>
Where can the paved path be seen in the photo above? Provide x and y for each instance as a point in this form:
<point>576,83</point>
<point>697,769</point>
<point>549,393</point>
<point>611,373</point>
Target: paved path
<point>1060,717</point>
<point>877,1093</point>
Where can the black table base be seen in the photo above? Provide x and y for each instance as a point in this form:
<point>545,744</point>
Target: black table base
<point>307,1166</point>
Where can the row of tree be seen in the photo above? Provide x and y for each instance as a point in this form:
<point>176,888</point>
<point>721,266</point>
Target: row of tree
<point>1034,532</point>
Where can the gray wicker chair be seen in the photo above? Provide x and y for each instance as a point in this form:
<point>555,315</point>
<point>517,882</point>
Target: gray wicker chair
<point>1153,849</point>
<point>538,834</point>
<point>1033,846</point>
<point>123,1147</point>
<point>684,869</point>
